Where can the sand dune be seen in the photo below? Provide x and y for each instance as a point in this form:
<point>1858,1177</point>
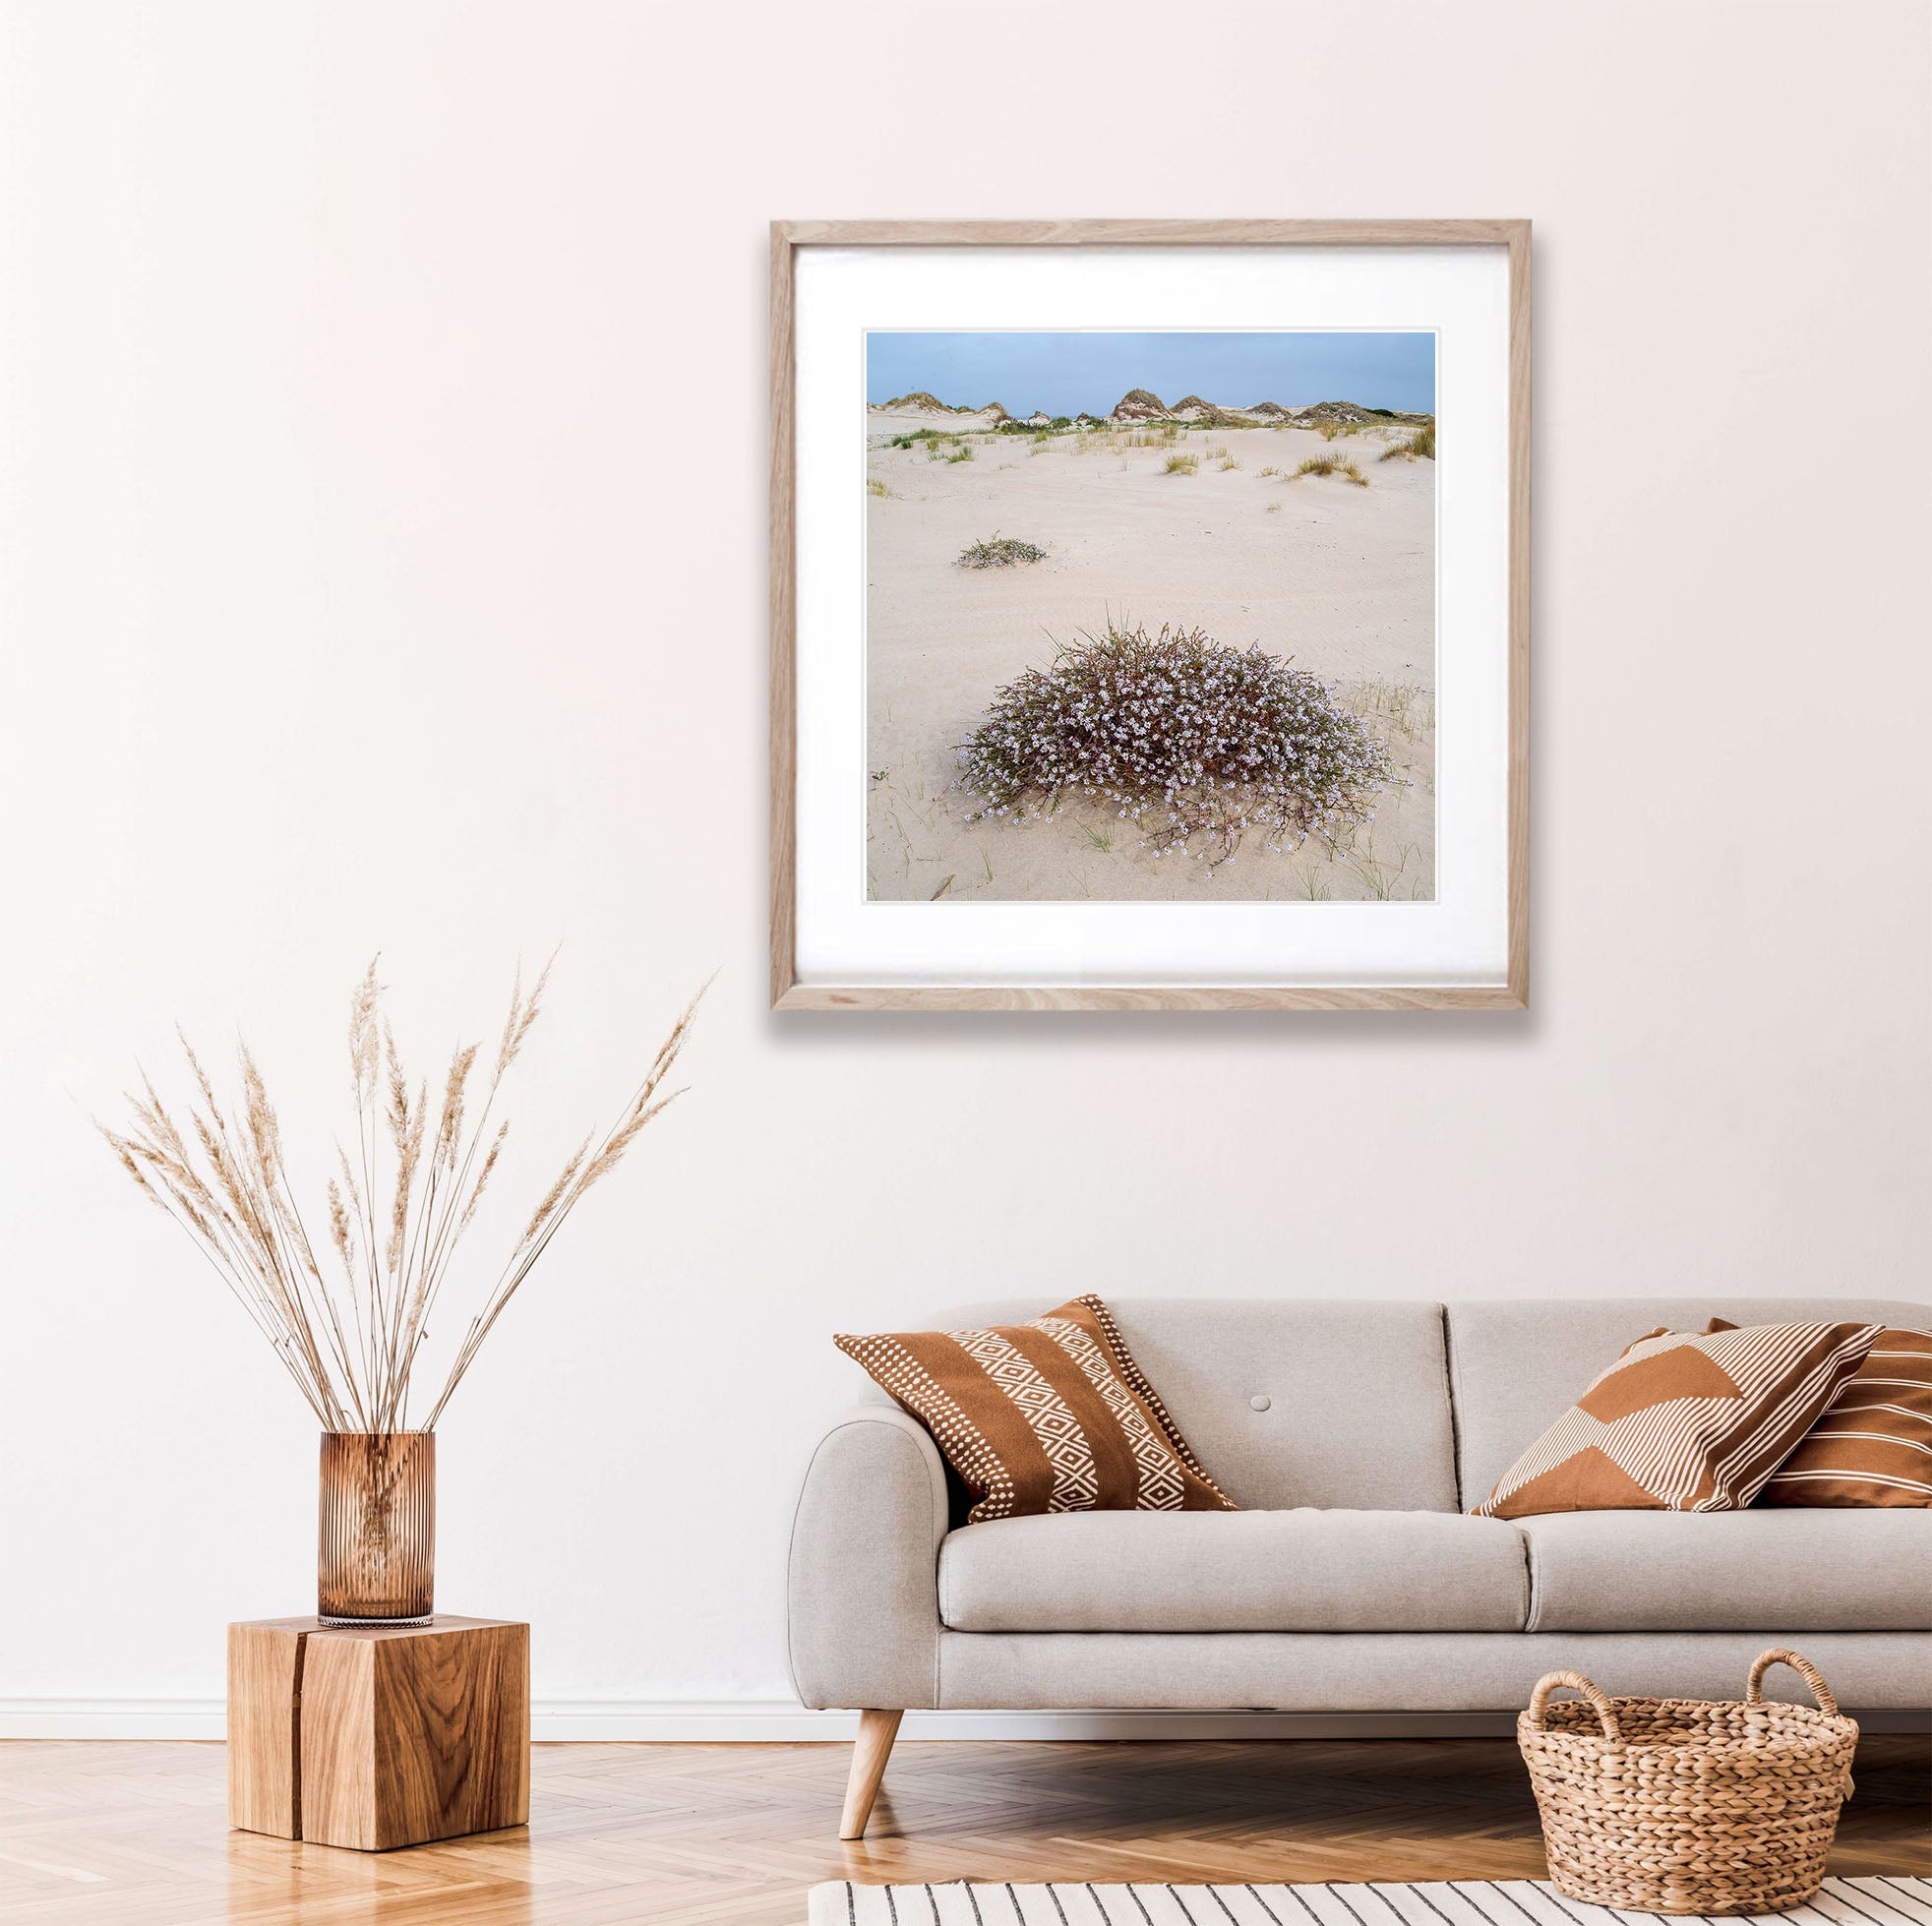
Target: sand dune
<point>1337,578</point>
<point>883,423</point>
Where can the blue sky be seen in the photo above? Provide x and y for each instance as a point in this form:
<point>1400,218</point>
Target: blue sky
<point>1088,372</point>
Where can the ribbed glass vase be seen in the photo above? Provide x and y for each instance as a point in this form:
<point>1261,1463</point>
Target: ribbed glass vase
<point>377,1554</point>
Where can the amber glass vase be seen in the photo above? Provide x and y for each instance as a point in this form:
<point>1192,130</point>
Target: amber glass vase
<point>377,1557</point>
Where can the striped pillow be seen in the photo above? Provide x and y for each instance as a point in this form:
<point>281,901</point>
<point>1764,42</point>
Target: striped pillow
<point>1685,1424</point>
<point>1873,1446</point>
<point>1049,1415</point>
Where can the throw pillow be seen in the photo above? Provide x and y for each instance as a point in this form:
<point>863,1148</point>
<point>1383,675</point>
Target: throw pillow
<point>1049,1416</point>
<point>1681,1423</point>
<point>1873,1445</point>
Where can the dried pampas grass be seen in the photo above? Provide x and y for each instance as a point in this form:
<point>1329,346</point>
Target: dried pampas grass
<point>348,1327</point>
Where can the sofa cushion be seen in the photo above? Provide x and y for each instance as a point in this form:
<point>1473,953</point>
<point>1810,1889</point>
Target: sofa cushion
<point>1282,1571</point>
<point>1873,1445</point>
<point>1052,1414</point>
<point>1515,1366</point>
<point>1803,1571</point>
<point>1405,1672</point>
<point>1684,1424</point>
<point>1289,1401</point>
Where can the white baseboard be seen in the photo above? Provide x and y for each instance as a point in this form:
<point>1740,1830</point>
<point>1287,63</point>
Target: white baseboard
<point>762,1721</point>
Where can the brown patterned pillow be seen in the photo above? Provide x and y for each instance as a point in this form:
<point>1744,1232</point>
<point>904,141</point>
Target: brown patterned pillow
<point>1873,1446</point>
<point>1684,1424</point>
<point>1049,1416</point>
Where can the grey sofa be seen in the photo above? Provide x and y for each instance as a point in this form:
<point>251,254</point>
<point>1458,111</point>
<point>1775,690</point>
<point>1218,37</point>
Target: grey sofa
<point>1354,1435</point>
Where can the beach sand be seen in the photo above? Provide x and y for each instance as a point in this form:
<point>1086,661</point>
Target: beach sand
<point>1339,579</point>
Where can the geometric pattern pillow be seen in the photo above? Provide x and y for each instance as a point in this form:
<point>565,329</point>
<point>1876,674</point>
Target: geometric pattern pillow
<point>1681,1423</point>
<point>1049,1415</point>
<point>1873,1446</point>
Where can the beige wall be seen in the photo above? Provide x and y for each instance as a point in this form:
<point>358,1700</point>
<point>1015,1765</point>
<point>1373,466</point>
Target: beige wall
<point>381,496</point>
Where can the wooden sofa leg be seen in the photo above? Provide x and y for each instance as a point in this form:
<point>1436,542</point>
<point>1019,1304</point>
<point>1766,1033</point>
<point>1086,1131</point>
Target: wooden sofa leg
<point>877,1732</point>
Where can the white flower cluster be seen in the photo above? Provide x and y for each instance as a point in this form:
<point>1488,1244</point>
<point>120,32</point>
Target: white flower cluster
<point>1193,743</point>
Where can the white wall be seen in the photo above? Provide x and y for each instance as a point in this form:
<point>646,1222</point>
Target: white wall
<point>353,595</point>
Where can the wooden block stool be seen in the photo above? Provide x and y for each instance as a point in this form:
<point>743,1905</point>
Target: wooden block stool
<point>378,1736</point>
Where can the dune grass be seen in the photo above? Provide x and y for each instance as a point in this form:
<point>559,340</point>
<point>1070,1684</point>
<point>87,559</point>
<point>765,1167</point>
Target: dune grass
<point>1181,464</point>
<point>1331,464</point>
<point>1227,462</point>
<point>1374,872</point>
<point>1407,705</point>
<point>999,551</point>
<point>1420,442</point>
<point>877,487</point>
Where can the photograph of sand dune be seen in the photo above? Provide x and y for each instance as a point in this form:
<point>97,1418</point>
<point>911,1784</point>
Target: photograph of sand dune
<point>1150,612</point>
<point>1151,615</point>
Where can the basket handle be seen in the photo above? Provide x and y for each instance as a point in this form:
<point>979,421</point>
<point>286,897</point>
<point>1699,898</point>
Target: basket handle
<point>1577,1683</point>
<point>1780,1655</point>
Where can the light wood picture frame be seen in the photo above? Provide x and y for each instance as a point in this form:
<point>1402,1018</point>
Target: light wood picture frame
<point>1384,246</point>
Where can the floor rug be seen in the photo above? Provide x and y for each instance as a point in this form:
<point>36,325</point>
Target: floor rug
<point>1870,1902</point>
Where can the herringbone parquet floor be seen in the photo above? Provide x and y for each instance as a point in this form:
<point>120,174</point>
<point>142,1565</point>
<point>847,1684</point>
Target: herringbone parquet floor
<point>135,1834</point>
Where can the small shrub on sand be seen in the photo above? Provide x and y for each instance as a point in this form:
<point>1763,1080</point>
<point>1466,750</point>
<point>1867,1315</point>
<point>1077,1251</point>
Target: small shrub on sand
<point>1422,442</point>
<point>1331,464</point>
<point>1195,743</point>
<point>877,487</point>
<point>1274,508</point>
<point>1181,464</point>
<point>999,551</point>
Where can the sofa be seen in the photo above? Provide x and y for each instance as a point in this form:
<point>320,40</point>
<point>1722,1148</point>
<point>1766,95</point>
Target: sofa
<point>1354,1436</point>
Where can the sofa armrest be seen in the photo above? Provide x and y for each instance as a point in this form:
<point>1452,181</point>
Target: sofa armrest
<point>862,1586</point>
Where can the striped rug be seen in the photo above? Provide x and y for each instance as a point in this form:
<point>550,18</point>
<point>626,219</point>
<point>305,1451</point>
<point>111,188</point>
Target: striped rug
<point>1873,1902</point>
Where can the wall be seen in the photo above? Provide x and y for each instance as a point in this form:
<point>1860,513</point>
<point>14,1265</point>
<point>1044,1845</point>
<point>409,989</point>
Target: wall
<point>381,500</point>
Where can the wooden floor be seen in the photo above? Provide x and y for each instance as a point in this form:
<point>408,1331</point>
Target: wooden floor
<point>716,1835</point>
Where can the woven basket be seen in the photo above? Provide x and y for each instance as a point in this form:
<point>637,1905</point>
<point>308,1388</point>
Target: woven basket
<point>1688,1805</point>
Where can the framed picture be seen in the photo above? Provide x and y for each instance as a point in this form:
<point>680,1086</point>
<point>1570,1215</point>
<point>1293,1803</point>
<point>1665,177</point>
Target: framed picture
<point>1150,615</point>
